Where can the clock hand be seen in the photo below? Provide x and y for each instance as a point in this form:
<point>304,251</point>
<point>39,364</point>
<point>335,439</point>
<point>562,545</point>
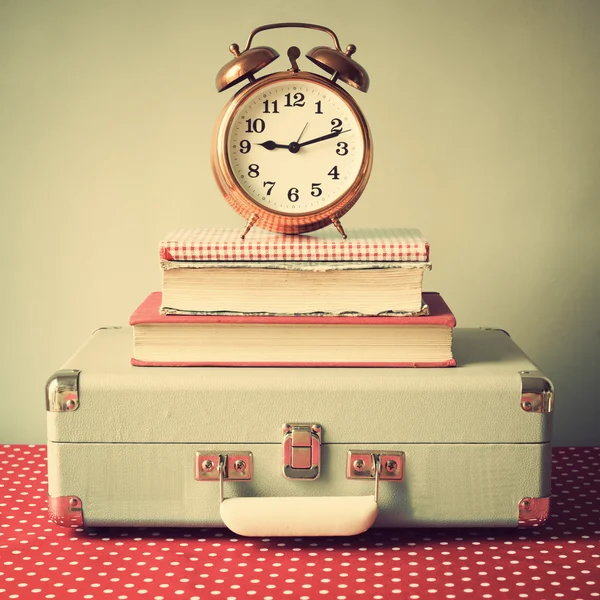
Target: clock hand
<point>295,146</point>
<point>271,145</point>
<point>322,138</point>
<point>303,130</point>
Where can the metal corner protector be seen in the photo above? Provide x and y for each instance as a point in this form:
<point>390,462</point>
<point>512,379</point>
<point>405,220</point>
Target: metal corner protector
<point>62,391</point>
<point>533,512</point>
<point>537,392</point>
<point>66,511</point>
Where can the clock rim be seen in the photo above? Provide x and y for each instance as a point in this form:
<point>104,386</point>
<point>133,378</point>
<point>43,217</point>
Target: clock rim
<point>269,218</point>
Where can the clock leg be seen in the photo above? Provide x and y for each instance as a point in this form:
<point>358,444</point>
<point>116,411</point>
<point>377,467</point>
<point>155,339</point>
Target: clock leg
<point>249,225</point>
<point>338,226</point>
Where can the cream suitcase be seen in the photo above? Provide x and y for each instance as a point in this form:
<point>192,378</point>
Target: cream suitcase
<point>300,451</point>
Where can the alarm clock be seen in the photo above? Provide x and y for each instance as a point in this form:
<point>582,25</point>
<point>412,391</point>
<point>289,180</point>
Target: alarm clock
<point>292,151</point>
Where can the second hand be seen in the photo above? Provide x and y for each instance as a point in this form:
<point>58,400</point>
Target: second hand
<point>303,130</point>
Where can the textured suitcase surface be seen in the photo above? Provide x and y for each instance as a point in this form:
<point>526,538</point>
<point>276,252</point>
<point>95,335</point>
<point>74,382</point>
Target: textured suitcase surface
<point>468,446</point>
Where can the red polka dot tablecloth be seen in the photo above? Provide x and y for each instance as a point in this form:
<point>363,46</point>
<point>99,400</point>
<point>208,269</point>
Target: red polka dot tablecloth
<point>41,560</point>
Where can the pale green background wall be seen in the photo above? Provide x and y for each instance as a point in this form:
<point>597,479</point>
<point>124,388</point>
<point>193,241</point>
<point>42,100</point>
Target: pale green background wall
<point>485,117</point>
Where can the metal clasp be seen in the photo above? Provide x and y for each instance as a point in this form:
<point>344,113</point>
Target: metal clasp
<point>302,450</point>
<point>381,466</point>
<point>219,467</point>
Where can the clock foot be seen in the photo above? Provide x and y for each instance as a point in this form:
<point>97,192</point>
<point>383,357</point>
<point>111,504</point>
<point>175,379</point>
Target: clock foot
<point>338,226</point>
<point>249,225</point>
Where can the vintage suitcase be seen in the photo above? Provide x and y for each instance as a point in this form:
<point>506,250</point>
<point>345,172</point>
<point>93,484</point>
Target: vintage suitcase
<point>300,451</point>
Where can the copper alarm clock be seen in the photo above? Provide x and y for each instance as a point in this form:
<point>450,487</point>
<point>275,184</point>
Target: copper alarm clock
<point>292,151</point>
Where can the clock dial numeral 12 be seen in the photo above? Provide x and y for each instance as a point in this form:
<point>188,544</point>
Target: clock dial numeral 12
<point>298,99</point>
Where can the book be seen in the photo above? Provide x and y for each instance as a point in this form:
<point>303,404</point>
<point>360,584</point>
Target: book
<point>213,271</point>
<point>258,341</point>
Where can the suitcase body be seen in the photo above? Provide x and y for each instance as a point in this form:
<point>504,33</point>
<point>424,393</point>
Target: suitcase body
<point>300,451</point>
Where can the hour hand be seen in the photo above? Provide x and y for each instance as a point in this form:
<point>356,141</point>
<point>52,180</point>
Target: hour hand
<point>271,145</point>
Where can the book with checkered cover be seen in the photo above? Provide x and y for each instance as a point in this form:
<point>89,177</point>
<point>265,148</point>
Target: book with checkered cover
<point>372,272</point>
<point>361,245</point>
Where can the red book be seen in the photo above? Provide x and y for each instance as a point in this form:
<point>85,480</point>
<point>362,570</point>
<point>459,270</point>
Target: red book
<point>303,341</point>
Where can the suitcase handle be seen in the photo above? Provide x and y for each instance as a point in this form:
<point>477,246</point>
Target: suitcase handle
<point>299,516</point>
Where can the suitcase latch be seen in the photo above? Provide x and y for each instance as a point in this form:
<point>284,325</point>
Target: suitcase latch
<point>236,466</point>
<point>377,465</point>
<point>301,450</point>
<point>224,467</point>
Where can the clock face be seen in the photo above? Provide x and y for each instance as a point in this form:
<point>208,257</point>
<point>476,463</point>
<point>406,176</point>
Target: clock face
<point>295,146</point>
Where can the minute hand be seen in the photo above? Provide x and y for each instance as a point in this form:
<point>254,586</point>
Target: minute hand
<point>322,138</point>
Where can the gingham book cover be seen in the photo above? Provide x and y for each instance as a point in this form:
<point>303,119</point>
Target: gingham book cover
<point>221,244</point>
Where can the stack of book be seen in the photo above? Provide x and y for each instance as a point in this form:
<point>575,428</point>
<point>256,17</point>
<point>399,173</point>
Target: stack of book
<point>302,300</point>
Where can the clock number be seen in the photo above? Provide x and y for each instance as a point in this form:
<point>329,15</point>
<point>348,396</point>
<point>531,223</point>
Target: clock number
<point>267,111</point>
<point>336,125</point>
<point>253,171</point>
<point>318,111</point>
<point>245,146</point>
<point>271,183</point>
<point>293,195</point>
<point>316,191</point>
<point>298,100</point>
<point>256,126</point>
<point>342,148</point>
<point>334,173</point>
